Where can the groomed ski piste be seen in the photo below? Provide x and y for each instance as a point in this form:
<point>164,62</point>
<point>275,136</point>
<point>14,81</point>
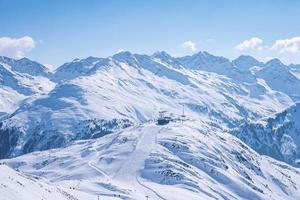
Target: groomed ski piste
<point>181,160</point>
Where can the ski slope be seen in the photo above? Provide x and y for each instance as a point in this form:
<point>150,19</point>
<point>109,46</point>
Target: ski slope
<point>17,186</point>
<point>180,160</point>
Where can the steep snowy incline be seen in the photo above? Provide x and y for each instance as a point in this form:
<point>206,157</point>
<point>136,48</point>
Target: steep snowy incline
<point>277,136</point>
<point>17,186</point>
<point>75,68</point>
<point>280,78</point>
<point>9,100</point>
<point>295,70</point>
<point>25,66</point>
<point>19,80</point>
<point>244,62</point>
<point>206,62</point>
<point>182,160</point>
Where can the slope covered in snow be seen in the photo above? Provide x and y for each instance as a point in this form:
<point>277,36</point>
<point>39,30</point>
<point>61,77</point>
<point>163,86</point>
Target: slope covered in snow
<point>25,66</point>
<point>182,160</point>
<point>128,89</point>
<point>21,79</point>
<point>246,62</point>
<point>295,70</point>
<point>17,186</point>
<point>280,78</point>
<point>277,136</point>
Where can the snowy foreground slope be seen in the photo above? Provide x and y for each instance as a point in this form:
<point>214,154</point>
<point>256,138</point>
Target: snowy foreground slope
<point>182,160</point>
<point>17,186</point>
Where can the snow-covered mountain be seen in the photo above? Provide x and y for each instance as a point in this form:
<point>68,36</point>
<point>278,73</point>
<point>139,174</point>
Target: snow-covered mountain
<point>75,68</point>
<point>25,66</point>
<point>206,62</point>
<point>280,78</point>
<point>295,70</point>
<point>277,136</point>
<point>131,88</point>
<point>21,79</point>
<point>182,160</point>
<point>246,62</point>
<point>98,113</point>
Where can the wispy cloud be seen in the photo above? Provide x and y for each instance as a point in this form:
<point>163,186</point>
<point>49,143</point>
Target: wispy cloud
<point>189,45</point>
<point>16,47</point>
<point>252,43</point>
<point>288,45</point>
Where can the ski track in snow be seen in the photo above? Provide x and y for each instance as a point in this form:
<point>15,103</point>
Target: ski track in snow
<point>92,165</point>
<point>135,162</point>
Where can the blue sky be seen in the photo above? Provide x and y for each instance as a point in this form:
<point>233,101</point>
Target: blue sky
<point>60,30</point>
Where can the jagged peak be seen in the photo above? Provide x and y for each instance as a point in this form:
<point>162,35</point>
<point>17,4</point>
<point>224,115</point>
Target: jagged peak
<point>292,65</point>
<point>246,57</point>
<point>203,58</point>
<point>25,59</point>
<point>274,62</point>
<point>204,55</point>
<point>246,62</point>
<point>26,66</point>
<point>161,54</point>
<point>126,57</point>
<point>4,58</point>
<point>87,59</point>
<point>122,54</point>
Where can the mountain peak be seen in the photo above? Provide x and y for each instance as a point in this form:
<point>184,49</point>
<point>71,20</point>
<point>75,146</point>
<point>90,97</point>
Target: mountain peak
<point>246,62</point>
<point>24,59</point>
<point>203,53</point>
<point>122,54</point>
<point>161,54</point>
<point>5,59</point>
<point>204,60</point>
<point>125,57</point>
<point>25,66</point>
<point>274,62</point>
<point>246,57</point>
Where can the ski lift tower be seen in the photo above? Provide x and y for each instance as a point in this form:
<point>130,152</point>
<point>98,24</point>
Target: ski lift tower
<point>182,116</point>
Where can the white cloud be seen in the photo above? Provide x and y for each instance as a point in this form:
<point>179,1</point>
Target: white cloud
<point>252,43</point>
<point>289,45</point>
<point>16,47</point>
<point>189,45</point>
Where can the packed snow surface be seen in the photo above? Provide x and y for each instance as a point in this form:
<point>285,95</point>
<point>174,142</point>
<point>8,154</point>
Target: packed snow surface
<point>17,186</point>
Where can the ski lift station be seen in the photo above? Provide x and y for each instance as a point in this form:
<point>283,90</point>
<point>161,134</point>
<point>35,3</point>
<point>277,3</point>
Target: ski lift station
<point>163,119</point>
